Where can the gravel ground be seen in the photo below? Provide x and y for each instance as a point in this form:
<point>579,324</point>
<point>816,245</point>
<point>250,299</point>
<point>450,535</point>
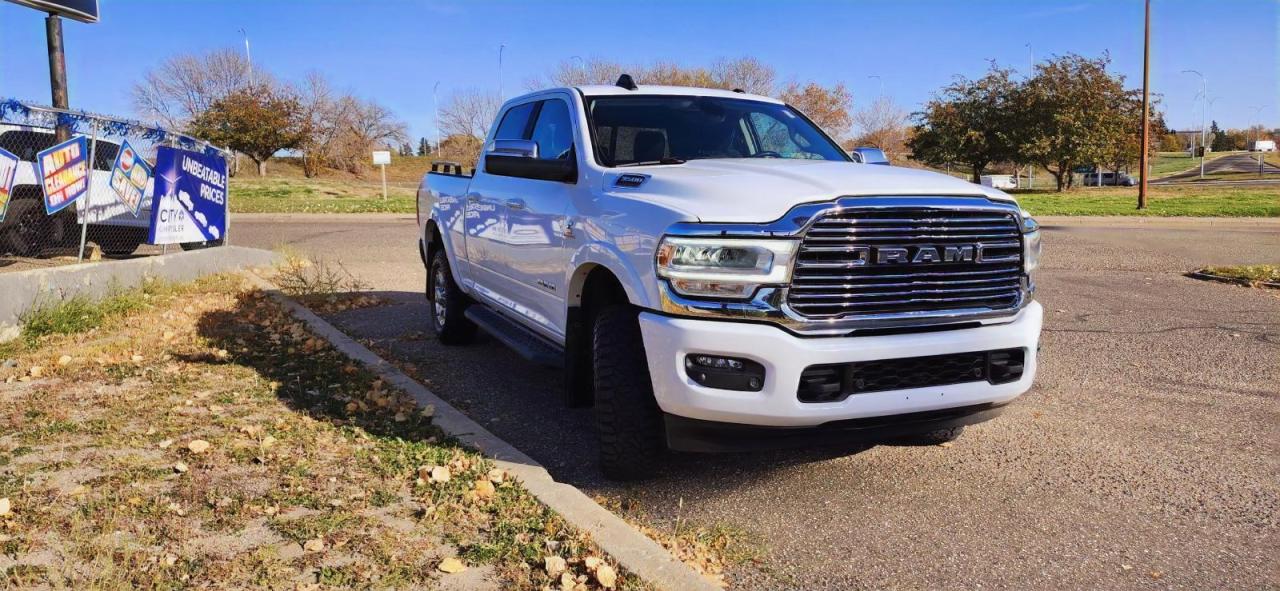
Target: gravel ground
<point>1146,456</point>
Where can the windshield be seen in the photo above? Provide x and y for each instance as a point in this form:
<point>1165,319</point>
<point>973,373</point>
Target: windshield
<point>631,130</point>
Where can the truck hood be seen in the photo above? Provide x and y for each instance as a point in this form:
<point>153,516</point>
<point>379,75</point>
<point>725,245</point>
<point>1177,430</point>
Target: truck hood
<point>761,190</point>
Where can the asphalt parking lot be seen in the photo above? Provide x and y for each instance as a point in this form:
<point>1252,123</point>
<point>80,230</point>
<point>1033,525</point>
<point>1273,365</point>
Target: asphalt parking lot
<point>1146,456</point>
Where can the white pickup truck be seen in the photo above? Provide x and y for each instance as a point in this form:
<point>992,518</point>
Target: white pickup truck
<point>714,273</point>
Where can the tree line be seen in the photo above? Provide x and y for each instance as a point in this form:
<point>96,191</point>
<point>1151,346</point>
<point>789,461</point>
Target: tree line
<point>1069,114</point>
<point>220,97</point>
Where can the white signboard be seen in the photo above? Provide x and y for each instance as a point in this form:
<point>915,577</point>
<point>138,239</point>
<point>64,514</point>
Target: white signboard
<point>381,157</point>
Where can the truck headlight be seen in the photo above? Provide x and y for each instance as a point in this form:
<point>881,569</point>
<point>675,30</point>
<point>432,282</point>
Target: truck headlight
<point>724,267</point>
<point>1030,248</point>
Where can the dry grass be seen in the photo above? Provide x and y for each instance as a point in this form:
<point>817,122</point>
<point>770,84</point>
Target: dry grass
<point>1255,275</point>
<point>204,439</point>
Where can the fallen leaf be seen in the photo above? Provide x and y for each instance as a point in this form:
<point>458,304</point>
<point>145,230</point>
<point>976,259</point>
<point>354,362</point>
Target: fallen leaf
<point>65,359</point>
<point>267,441</point>
<point>497,475</point>
<point>5,508</point>
<point>198,446</point>
<point>36,371</point>
<point>428,411</point>
<point>554,565</point>
<point>170,559</point>
<point>451,565</point>
<point>138,358</point>
<point>165,443</point>
<point>180,468</point>
<point>484,489</point>
<point>316,545</point>
<point>440,474</point>
<point>592,562</point>
<point>606,576</point>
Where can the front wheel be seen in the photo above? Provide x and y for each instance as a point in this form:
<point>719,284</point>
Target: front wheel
<point>628,420</point>
<point>448,303</point>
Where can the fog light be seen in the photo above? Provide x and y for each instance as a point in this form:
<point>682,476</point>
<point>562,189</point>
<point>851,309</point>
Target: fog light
<point>725,373</point>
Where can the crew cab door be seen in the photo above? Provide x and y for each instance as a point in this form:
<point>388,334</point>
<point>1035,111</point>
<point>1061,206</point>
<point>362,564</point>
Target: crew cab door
<point>527,259</point>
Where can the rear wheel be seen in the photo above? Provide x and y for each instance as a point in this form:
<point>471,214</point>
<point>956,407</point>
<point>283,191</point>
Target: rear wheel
<point>448,303</point>
<point>628,420</point>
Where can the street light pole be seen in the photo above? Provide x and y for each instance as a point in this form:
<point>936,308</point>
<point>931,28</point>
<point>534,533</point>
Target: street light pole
<point>1146,107</point>
<point>57,71</point>
<point>248,59</point>
<point>501,47</point>
<point>435,101</point>
<point>881,80</point>
<point>1204,96</point>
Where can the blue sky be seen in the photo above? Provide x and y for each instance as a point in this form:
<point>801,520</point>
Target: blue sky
<point>394,51</point>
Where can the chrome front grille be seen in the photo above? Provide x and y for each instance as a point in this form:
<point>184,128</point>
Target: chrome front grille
<point>897,261</point>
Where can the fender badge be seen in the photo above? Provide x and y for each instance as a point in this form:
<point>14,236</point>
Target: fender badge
<point>630,180</point>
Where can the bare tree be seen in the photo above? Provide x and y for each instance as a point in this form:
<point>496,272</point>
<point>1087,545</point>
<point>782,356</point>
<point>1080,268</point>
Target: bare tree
<point>882,124</point>
<point>827,107</point>
<point>185,85</point>
<point>746,73</point>
<point>469,112</point>
<point>325,114</point>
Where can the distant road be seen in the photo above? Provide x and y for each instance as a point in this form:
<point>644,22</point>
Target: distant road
<point>1247,163</point>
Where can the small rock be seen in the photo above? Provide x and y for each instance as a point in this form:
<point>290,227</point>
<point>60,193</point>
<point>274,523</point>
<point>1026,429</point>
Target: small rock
<point>316,545</point>
<point>451,565</point>
<point>10,363</point>
<point>554,565</point>
<point>5,508</point>
<point>606,576</point>
<point>164,444</point>
<point>198,446</point>
<point>440,474</point>
<point>65,359</point>
<point>180,468</point>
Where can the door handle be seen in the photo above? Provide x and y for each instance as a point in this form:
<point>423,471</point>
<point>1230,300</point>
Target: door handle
<point>515,204</point>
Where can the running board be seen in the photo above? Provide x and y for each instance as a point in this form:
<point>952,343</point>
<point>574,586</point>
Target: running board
<point>521,340</point>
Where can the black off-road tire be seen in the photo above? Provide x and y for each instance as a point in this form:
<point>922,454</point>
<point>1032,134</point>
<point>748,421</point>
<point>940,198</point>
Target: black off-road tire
<point>628,420</point>
<point>447,303</point>
<point>934,437</point>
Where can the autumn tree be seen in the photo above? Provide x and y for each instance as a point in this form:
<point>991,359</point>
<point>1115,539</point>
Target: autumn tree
<point>257,121</point>
<point>185,85</point>
<point>1073,112</point>
<point>342,129</point>
<point>968,122</point>
<point>828,107</point>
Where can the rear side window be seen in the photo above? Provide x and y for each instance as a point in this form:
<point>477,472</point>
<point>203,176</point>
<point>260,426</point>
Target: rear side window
<point>553,132</point>
<point>26,144</point>
<point>515,122</point>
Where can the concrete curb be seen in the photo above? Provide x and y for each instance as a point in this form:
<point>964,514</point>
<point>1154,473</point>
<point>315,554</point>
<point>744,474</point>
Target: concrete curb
<point>633,550</point>
<point>20,291</point>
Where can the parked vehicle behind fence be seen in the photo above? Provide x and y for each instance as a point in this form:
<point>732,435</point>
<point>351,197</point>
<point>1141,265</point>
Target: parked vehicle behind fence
<point>714,273</point>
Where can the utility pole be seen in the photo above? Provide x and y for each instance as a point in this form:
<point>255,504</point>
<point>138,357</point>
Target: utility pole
<point>501,47</point>
<point>1204,97</point>
<point>1146,107</point>
<point>1031,71</point>
<point>57,70</point>
<point>435,100</point>
<point>248,60</point>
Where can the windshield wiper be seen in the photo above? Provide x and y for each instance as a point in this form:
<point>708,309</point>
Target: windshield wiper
<point>667,160</point>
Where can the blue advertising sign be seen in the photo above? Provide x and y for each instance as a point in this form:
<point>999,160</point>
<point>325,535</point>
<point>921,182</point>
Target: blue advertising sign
<point>190,199</point>
<point>129,177</point>
<point>8,168</point>
<point>64,173</point>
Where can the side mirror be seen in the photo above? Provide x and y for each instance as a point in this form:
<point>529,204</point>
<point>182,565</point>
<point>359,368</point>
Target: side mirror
<point>519,158</point>
<point>514,148</point>
<point>868,155</point>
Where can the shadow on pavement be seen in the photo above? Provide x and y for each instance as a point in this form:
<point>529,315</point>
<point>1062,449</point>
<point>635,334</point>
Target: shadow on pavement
<point>520,402</point>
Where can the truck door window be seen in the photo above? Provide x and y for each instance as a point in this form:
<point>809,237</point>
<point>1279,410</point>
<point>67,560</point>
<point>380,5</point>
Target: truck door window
<point>515,123</point>
<point>553,132</point>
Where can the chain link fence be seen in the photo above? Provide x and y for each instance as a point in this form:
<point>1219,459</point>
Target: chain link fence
<point>113,217</point>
